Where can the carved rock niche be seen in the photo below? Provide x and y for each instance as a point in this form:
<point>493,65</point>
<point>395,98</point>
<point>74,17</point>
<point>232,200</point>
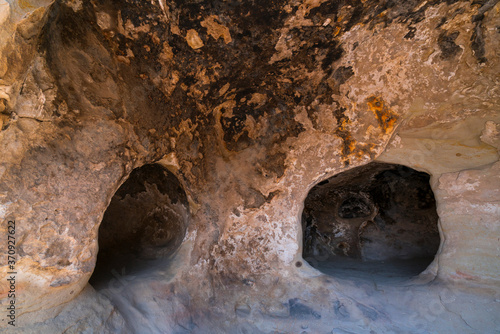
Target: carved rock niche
<point>378,215</point>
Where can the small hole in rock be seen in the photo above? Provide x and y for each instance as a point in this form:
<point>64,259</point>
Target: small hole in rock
<point>145,221</point>
<point>377,221</point>
<point>298,264</point>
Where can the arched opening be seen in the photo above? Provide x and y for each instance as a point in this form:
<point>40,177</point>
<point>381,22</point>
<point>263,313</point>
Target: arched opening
<point>377,221</point>
<point>145,221</point>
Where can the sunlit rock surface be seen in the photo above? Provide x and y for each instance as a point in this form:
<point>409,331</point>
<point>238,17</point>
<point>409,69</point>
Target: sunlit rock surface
<point>248,105</point>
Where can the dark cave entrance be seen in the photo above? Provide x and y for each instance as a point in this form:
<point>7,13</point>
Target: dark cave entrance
<point>145,222</point>
<point>377,221</point>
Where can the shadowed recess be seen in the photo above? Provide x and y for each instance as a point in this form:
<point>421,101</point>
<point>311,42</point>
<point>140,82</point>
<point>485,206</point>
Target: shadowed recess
<point>378,219</point>
<point>145,221</point>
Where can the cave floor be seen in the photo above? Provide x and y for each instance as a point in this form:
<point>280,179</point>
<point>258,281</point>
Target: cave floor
<point>388,272</point>
<point>365,297</point>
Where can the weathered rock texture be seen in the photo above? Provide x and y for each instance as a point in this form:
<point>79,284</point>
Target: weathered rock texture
<point>249,104</point>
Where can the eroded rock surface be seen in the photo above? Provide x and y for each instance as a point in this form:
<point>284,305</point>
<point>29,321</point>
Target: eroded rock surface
<point>249,104</point>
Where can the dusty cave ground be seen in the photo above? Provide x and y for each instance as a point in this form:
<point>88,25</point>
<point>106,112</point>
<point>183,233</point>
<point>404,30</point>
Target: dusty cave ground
<point>224,166</point>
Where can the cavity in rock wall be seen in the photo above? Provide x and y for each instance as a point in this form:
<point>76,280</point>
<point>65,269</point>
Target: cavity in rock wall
<point>375,212</point>
<point>146,220</point>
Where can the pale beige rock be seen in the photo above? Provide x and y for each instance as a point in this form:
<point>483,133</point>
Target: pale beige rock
<point>193,39</point>
<point>469,211</point>
<point>491,134</point>
<point>88,312</point>
<point>215,29</point>
<point>443,148</point>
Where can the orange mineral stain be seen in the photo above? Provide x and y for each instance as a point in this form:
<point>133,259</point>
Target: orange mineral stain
<point>386,118</point>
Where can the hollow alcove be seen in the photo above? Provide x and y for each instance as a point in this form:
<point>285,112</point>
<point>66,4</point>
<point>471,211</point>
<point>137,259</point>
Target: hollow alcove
<point>374,221</point>
<point>145,221</point>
